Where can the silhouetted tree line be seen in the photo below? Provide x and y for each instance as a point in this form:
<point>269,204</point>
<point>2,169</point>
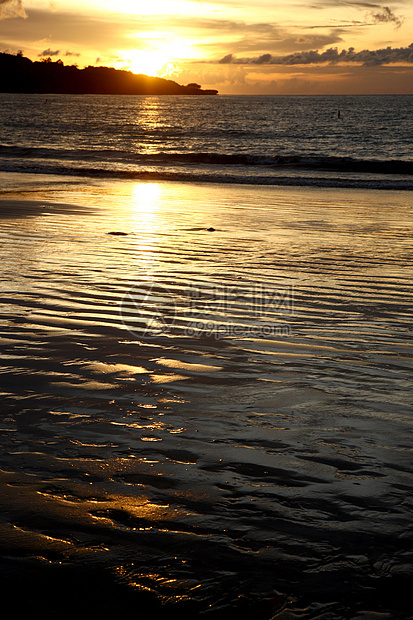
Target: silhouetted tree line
<point>21,75</point>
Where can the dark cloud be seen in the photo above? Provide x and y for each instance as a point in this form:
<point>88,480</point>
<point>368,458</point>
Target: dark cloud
<point>341,26</point>
<point>49,52</point>
<point>386,15</point>
<point>262,60</point>
<point>333,56</point>
<point>377,14</point>
<point>363,5</point>
<point>229,59</point>
<point>67,53</point>
<point>11,8</point>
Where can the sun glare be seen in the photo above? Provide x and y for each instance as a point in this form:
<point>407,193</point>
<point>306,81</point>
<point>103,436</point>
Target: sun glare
<point>150,63</point>
<point>156,59</point>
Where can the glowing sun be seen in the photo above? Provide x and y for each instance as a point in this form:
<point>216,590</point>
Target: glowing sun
<point>154,57</point>
<point>154,63</point>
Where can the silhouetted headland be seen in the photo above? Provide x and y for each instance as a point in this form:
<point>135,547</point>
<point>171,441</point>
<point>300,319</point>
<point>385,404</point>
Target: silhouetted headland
<point>21,75</point>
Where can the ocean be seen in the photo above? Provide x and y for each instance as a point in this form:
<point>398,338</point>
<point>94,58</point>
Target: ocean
<point>206,357</point>
<point>341,141</point>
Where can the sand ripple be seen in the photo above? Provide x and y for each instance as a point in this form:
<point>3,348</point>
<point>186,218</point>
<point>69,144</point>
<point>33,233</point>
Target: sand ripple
<point>214,421</point>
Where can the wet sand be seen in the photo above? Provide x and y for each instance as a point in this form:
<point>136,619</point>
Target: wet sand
<point>205,423</point>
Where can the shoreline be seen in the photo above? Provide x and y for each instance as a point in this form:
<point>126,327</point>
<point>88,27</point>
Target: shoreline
<point>18,182</point>
<point>295,179</point>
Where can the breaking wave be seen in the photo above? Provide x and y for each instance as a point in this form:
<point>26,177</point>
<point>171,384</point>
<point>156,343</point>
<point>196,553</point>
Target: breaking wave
<point>301,170</point>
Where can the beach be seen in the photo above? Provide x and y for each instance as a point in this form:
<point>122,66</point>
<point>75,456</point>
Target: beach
<point>206,399</point>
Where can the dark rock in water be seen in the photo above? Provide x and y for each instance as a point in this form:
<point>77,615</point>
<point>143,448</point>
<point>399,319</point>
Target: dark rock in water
<point>201,228</point>
<point>116,232</point>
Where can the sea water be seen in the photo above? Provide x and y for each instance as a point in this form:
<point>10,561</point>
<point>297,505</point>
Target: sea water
<point>346,141</point>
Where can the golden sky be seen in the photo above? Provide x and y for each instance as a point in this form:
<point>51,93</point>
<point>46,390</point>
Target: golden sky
<point>236,46</point>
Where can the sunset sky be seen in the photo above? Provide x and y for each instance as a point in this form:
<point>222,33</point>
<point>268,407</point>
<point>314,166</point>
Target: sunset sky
<point>236,46</point>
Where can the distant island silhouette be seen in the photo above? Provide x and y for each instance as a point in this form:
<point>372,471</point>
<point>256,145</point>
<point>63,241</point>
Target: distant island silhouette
<point>19,74</point>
